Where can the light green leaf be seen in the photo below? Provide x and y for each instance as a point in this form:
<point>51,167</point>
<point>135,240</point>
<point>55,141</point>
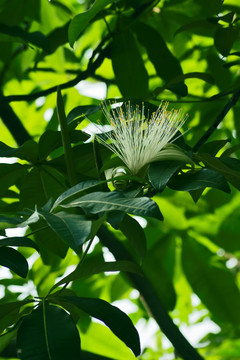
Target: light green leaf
<point>80,21</point>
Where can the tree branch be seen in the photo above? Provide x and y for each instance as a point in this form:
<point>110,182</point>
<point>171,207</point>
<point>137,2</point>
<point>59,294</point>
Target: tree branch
<point>12,122</point>
<point>151,299</point>
<point>232,101</point>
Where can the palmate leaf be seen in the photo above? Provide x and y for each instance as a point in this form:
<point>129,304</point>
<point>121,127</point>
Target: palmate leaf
<point>48,333</point>
<point>119,323</point>
<point>98,202</point>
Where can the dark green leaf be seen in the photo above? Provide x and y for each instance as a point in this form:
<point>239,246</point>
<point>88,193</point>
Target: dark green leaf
<point>73,229</point>
<point>49,141</point>
<point>81,112</point>
<point>88,269</point>
<point>28,151</point>
<point>135,235</point>
<point>153,267</point>
<point>10,173</point>
<point>13,260</point>
<point>199,179</point>
<point>222,165</point>
<point>48,333</point>
<point>130,73</point>
<point>118,322</point>
<point>9,313</point>
<point>200,27</point>
<point>39,185</point>
<point>213,147</point>
<point>160,173</point>
<point>81,21</point>
<point>19,241</point>
<point>98,202</point>
<point>166,64</point>
<point>9,222</point>
<point>214,285</point>
<point>76,190</point>
<point>224,39</point>
<point>48,241</point>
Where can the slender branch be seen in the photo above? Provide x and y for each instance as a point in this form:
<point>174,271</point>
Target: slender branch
<point>92,67</point>
<point>232,101</point>
<point>150,299</point>
<point>12,122</point>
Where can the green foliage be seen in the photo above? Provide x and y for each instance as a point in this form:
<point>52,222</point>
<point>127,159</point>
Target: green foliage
<point>173,229</point>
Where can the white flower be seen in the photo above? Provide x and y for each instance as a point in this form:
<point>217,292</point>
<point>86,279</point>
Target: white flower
<point>138,139</point>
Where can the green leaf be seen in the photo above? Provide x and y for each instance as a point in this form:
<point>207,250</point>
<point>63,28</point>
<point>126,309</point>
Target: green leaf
<point>49,141</point>
<point>130,73</point>
<point>81,21</point>
<point>13,260</point>
<point>18,241</point>
<point>118,322</point>
<point>230,151</point>
<point>166,64</point>
<point>224,39</point>
<point>153,267</point>
<point>98,202</point>
<point>73,229</point>
<point>48,241</point>
<point>228,234</point>
<point>199,179</point>
<point>10,174</point>
<point>161,172</point>
<point>200,27</point>
<point>213,147</point>
<point>82,111</point>
<point>28,151</point>
<point>48,333</point>
<point>87,269</point>
<point>222,165</point>
<point>214,285</point>
<point>135,235</point>
<point>9,313</point>
<point>76,190</point>
<point>39,185</point>
<point>9,222</point>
